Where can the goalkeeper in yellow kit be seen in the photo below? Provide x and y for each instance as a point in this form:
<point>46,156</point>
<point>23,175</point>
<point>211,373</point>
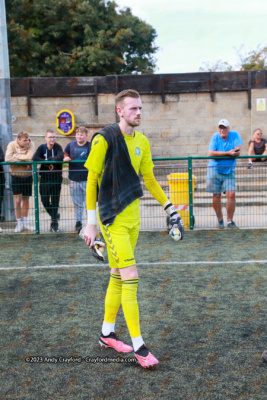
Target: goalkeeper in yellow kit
<point>117,155</point>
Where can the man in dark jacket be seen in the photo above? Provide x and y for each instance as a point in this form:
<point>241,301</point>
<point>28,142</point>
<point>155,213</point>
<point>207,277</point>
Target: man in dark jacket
<point>51,176</point>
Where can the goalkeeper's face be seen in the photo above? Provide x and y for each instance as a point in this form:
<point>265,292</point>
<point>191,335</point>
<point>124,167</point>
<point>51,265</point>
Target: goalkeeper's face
<point>130,110</point>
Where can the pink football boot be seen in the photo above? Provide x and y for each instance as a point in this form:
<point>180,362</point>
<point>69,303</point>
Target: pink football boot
<point>112,341</point>
<point>145,358</point>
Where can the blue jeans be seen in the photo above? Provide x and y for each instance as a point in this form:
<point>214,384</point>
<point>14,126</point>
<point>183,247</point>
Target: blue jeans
<point>78,195</point>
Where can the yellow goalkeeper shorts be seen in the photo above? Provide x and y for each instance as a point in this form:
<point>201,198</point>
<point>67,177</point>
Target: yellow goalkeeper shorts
<point>121,238</point>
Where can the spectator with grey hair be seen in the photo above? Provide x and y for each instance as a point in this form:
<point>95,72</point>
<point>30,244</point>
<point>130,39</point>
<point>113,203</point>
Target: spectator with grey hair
<point>221,171</point>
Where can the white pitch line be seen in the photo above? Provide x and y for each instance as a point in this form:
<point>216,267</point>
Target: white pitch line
<point>55,266</point>
<point>144,263</point>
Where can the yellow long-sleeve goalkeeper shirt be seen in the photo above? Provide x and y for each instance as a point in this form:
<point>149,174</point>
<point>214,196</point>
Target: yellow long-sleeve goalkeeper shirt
<point>140,155</point>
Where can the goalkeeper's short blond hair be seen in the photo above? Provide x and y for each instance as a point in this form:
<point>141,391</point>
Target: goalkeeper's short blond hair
<point>126,93</point>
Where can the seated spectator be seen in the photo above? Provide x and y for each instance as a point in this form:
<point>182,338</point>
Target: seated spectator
<point>50,176</point>
<point>21,149</point>
<point>2,182</point>
<point>257,146</point>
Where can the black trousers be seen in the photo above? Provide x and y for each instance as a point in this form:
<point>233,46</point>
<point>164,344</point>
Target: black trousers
<point>50,196</point>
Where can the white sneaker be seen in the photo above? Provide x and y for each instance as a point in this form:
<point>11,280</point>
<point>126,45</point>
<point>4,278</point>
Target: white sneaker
<point>19,228</point>
<point>28,227</point>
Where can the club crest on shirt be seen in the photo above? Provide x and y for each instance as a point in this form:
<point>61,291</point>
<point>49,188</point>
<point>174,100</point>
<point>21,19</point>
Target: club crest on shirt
<point>137,151</point>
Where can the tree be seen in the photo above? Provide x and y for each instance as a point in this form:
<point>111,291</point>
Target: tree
<point>217,66</point>
<point>253,60</point>
<point>77,38</point>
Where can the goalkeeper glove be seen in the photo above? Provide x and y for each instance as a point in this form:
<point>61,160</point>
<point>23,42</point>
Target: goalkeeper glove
<point>97,248</point>
<point>175,221</point>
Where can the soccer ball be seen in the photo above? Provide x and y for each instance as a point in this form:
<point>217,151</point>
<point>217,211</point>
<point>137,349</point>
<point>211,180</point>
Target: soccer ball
<point>175,234</point>
<point>264,356</point>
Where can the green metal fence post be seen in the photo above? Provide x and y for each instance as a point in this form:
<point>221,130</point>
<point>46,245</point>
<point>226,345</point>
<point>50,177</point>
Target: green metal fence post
<point>191,215</point>
<point>35,190</point>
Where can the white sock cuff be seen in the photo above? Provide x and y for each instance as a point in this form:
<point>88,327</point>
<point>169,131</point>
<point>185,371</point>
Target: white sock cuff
<point>107,328</point>
<point>137,342</point>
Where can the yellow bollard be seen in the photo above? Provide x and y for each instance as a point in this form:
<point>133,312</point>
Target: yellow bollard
<point>179,194</point>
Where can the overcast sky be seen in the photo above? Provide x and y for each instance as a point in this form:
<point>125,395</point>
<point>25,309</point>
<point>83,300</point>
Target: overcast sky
<point>191,32</point>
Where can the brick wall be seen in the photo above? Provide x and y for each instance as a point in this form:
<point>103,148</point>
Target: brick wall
<point>182,126</point>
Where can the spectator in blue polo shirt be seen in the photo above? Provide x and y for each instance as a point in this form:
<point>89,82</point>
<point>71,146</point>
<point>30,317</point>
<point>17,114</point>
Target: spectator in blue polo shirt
<point>221,172</point>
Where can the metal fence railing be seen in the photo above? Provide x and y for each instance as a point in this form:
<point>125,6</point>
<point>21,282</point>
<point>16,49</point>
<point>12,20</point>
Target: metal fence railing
<point>184,181</point>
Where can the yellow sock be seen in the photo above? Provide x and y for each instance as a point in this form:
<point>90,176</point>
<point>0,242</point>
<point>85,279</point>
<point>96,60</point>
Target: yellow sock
<point>113,298</point>
<point>130,305</point>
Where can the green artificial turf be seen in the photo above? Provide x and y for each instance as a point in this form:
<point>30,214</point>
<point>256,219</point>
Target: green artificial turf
<point>202,312</point>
